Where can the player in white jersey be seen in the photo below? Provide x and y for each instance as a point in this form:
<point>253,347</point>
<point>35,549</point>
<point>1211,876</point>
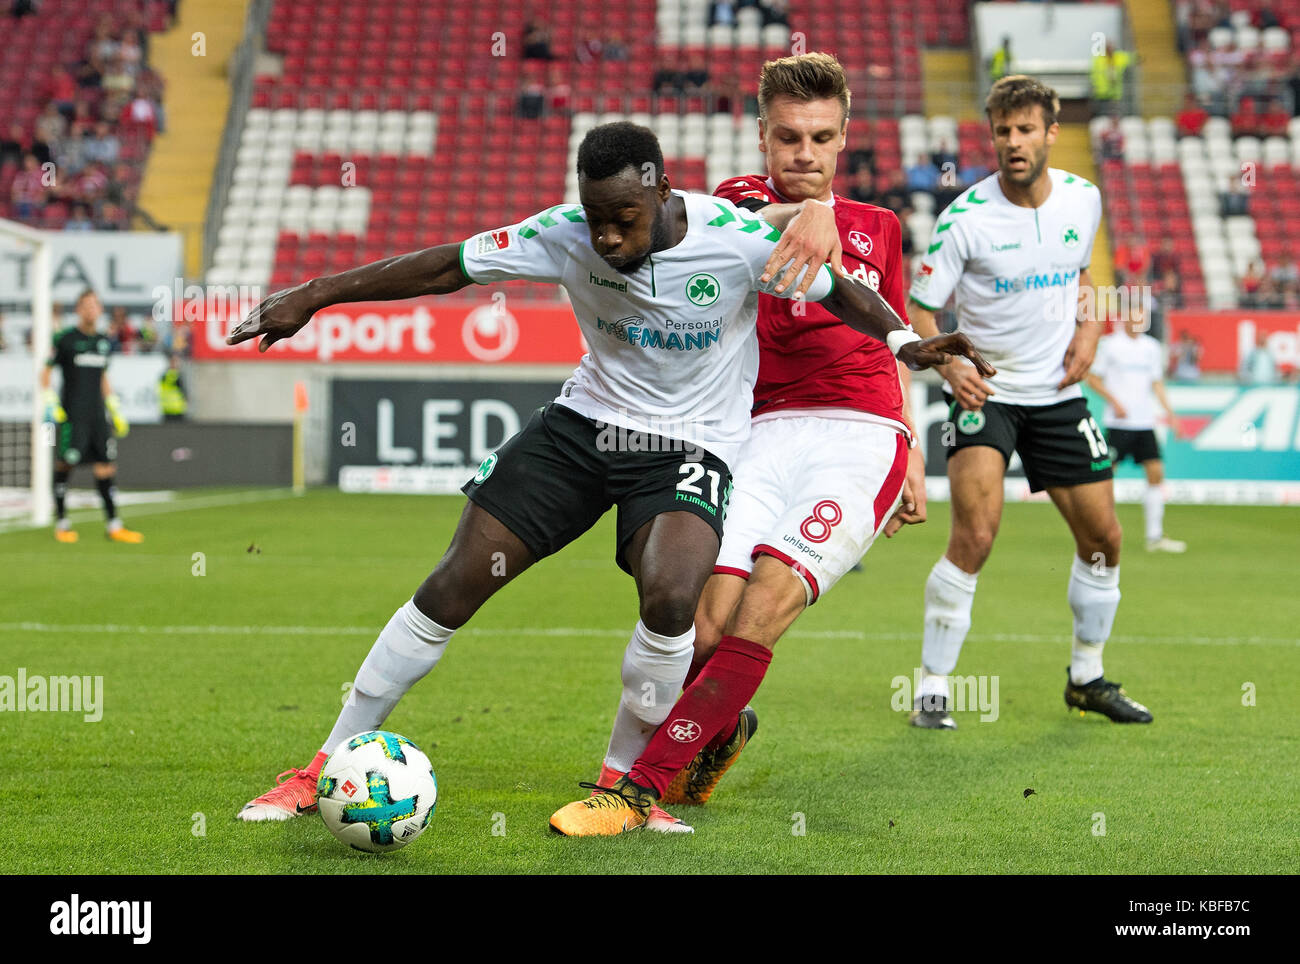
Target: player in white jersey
<point>1015,250</point>
<point>1129,375</point>
<point>664,286</point>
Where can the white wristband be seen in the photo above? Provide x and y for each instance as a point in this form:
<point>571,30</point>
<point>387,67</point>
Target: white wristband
<point>899,337</point>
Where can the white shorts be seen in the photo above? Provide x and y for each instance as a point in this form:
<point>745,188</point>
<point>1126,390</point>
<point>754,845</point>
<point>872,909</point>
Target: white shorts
<point>813,492</point>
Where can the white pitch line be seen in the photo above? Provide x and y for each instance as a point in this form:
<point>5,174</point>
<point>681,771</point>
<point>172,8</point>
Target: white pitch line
<point>178,505</point>
<point>560,631</point>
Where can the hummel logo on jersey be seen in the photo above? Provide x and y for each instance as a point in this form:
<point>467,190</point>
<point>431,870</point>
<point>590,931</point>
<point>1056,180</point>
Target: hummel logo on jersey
<point>684,731</point>
<point>860,241</point>
<point>702,289</point>
<point>600,282</point>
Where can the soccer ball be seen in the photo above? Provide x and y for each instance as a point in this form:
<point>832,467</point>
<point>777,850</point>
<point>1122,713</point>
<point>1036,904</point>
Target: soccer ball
<point>377,791</point>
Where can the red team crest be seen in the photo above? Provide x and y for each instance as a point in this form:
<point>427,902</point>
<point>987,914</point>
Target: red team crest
<point>861,241</point>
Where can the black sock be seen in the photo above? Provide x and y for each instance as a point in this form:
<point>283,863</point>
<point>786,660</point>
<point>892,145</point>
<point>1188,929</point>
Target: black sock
<point>105,487</point>
<point>61,491</point>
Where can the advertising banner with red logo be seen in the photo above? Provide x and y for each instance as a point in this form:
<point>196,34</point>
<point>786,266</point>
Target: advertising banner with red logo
<point>430,330</point>
<point>1227,337</point>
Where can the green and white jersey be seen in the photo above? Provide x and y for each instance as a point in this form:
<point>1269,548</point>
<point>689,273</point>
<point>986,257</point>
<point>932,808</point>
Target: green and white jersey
<point>672,348</point>
<point>1015,271</point>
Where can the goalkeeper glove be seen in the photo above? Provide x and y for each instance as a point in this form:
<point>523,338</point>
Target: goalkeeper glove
<point>120,425</point>
<point>53,410</point>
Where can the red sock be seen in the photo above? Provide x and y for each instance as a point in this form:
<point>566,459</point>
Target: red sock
<point>728,681</point>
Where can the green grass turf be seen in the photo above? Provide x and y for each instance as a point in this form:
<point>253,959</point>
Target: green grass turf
<point>197,722</point>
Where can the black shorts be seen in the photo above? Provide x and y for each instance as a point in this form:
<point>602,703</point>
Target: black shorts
<point>1059,444</point>
<point>85,440</point>
<point>1137,443</point>
<point>552,481</point>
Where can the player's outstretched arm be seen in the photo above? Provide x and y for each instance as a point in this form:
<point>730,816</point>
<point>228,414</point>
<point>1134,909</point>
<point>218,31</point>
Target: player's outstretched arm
<point>866,310</point>
<point>433,271</point>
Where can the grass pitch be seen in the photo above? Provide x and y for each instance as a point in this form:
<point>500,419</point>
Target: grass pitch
<point>216,681</point>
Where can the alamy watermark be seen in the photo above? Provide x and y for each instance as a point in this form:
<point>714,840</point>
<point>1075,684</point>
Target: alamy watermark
<point>968,693</point>
<point>662,433</point>
<point>53,694</point>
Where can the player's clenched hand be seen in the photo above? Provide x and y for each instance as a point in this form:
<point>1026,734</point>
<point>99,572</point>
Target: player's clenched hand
<point>911,511</point>
<point>1079,356</point>
<point>809,240</point>
<point>942,349</point>
<point>280,316</point>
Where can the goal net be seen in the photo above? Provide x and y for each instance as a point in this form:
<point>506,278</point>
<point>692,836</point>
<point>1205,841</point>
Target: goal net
<point>26,448</point>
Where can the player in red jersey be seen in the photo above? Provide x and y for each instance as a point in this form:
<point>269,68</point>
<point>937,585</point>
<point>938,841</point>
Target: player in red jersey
<point>827,468</point>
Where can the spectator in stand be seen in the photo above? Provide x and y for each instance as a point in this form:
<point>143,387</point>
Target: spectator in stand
<point>1112,141</point>
<point>1192,118</point>
<point>1270,295</point>
<point>722,13</point>
<point>139,119</point>
<point>558,90</point>
<point>111,218</point>
<point>1259,367</point>
<point>1245,122</point>
<point>863,188</point>
<point>80,219</point>
<point>1235,200</point>
<point>896,197</point>
<point>103,44</point>
<point>130,53</point>
<point>1274,122</point>
<point>615,49</point>
<point>775,11</point>
<point>1251,283</point>
<point>666,81</point>
<point>21,8</point>
<point>1185,358</point>
<point>861,157</point>
<point>1133,261</point>
<point>29,191</point>
<point>51,127</point>
<point>1286,275</point>
<point>13,146</point>
<point>590,49</point>
<point>103,146</point>
<point>695,79</point>
<point>537,43</point>
<point>62,92</point>
<point>1165,259</point>
<point>923,176</point>
<point>121,336</point>
<point>1265,17</point>
<point>1169,292</point>
<point>943,155</point>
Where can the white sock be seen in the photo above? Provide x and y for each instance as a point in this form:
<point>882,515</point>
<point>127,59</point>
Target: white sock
<point>407,648</point>
<point>949,594</point>
<point>1094,597</point>
<point>654,668</point>
<point>1153,508</point>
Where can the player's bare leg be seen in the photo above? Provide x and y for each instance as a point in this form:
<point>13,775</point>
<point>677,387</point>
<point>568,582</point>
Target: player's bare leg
<point>975,477</point>
<point>105,475</point>
<point>1094,596</point>
<point>671,557</point>
<point>483,556</point>
<point>1153,510</point>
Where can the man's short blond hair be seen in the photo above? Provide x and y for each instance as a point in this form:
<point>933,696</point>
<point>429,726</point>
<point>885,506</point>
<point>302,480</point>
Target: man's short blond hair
<point>815,76</point>
<point>1018,91</point>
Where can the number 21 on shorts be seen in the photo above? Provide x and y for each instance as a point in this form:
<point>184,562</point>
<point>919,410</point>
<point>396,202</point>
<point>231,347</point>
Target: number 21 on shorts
<point>694,472</point>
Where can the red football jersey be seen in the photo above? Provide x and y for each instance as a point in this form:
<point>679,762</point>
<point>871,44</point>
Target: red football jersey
<point>817,361</point>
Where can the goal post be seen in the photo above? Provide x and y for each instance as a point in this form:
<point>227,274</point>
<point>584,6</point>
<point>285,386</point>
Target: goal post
<point>41,278</point>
